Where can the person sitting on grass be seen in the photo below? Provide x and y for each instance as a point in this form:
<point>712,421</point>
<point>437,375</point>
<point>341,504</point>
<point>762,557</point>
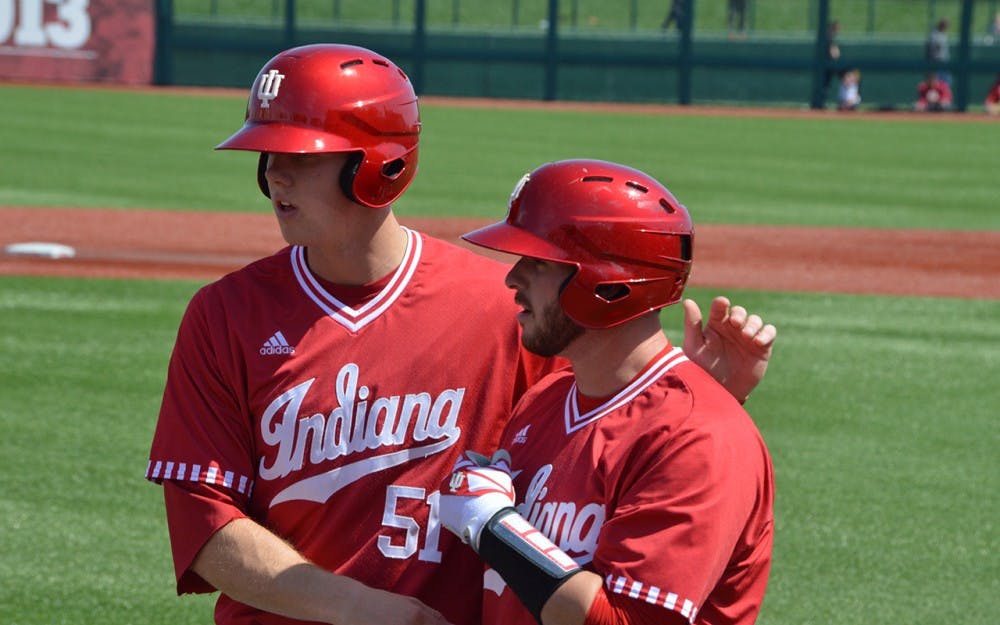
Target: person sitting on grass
<point>933,95</point>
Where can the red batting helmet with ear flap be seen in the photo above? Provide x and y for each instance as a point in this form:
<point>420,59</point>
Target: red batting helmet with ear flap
<point>629,238</point>
<point>336,98</point>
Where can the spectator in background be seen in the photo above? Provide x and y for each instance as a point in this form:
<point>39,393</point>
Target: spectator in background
<point>937,49</point>
<point>849,94</point>
<point>933,95</point>
<point>736,18</point>
<point>993,31</point>
<point>992,102</point>
<point>674,15</point>
<point>832,53</point>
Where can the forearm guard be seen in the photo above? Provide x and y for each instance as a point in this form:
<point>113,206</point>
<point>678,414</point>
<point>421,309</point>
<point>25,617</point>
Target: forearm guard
<point>529,563</point>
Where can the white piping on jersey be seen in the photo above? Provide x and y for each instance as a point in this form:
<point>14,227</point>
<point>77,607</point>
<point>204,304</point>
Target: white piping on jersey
<point>212,474</point>
<point>575,420</point>
<point>350,318</point>
<point>651,594</point>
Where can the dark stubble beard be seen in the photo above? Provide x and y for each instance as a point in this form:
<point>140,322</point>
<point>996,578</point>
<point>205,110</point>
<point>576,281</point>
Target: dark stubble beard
<point>555,332</point>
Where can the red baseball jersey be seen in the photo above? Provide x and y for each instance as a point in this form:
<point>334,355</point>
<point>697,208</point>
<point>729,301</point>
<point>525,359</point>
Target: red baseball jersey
<point>993,95</point>
<point>664,489</point>
<point>332,420</point>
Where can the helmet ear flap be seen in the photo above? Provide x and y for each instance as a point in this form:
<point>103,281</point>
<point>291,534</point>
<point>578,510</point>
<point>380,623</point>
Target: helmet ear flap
<point>261,180</point>
<point>349,173</point>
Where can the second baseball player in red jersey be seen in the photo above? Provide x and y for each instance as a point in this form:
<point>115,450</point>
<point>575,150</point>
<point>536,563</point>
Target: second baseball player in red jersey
<point>660,487</point>
<point>632,488</point>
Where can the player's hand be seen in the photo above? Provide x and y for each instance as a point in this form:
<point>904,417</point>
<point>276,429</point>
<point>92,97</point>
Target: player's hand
<point>734,347</point>
<point>477,488</point>
<point>376,607</point>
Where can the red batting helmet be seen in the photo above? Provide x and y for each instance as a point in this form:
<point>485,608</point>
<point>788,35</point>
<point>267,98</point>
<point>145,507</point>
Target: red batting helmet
<point>336,98</point>
<point>628,237</point>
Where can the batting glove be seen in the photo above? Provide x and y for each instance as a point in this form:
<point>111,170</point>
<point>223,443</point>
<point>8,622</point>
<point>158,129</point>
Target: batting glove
<point>476,490</point>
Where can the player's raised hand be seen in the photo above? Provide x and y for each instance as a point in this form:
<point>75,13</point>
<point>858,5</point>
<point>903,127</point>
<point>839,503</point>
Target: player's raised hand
<point>734,347</point>
<point>473,493</point>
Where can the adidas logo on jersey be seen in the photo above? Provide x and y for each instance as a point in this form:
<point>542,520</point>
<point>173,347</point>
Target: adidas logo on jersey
<point>522,436</point>
<point>276,345</point>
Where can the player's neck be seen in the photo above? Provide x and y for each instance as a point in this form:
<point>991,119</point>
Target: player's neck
<point>605,361</point>
<point>364,250</point>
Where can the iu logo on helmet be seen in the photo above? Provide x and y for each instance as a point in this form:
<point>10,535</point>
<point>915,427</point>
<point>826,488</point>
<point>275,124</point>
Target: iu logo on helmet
<point>516,193</point>
<point>267,90</point>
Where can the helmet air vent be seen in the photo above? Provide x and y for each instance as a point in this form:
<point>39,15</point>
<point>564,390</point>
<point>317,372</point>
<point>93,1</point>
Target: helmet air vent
<point>352,63</point>
<point>637,186</point>
<point>598,179</point>
<point>666,206</point>
<point>393,168</point>
<point>612,292</point>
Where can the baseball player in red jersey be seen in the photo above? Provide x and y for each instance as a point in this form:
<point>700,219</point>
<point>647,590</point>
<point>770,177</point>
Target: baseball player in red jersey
<point>992,101</point>
<point>316,397</point>
<point>643,489</point>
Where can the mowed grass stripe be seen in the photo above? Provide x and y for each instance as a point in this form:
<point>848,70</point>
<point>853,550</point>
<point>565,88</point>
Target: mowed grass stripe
<point>879,413</point>
<point>94,148</point>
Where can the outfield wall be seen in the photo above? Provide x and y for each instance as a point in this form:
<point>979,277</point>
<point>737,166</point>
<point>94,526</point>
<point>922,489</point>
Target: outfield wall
<point>625,68</point>
<point>138,42</point>
<point>77,41</point>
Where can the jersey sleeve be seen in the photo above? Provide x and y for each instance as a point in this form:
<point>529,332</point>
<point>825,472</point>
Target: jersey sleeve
<point>203,437</point>
<point>195,511</point>
<point>679,516</point>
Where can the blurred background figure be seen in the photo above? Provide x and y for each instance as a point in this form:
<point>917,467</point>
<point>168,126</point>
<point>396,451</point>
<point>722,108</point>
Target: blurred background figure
<point>849,94</point>
<point>832,53</point>
<point>736,18</point>
<point>993,31</point>
<point>674,15</point>
<point>937,50</point>
<point>933,95</point>
<point>992,102</point>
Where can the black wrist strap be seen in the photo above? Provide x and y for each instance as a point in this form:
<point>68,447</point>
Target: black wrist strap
<point>528,562</point>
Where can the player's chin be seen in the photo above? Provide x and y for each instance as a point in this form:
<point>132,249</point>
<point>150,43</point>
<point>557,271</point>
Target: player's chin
<point>292,234</point>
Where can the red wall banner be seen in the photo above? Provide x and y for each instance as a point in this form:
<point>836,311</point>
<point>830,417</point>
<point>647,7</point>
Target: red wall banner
<point>77,41</point>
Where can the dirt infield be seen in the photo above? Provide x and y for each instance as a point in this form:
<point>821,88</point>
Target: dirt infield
<point>204,246</point>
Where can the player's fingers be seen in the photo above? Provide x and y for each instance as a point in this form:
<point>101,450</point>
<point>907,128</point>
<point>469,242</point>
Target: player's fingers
<point>693,337</point>
<point>692,313</point>
<point>766,336</point>
<point>425,615</point>
<point>753,325</point>
<point>737,316</point>
<point>718,310</point>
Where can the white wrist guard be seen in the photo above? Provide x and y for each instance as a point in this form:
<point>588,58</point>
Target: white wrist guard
<point>471,496</point>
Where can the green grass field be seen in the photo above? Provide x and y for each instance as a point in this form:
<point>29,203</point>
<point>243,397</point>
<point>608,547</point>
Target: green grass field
<point>880,413</point>
<point>155,151</point>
